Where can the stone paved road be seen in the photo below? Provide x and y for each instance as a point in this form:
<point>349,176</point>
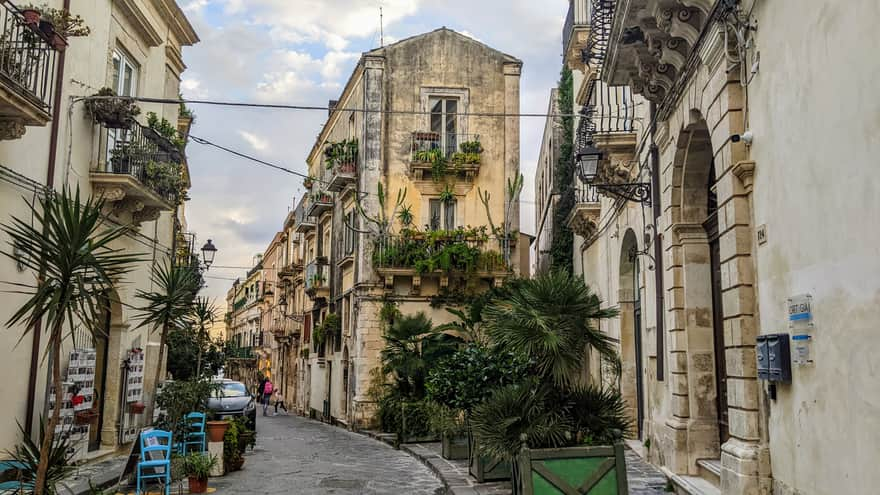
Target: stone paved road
<point>303,457</point>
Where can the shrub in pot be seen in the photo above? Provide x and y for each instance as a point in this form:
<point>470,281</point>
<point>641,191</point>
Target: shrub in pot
<point>113,113</point>
<point>198,467</point>
<point>553,414</point>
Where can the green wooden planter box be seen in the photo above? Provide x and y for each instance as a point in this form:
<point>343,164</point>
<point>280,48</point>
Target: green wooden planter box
<point>454,448</point>
<point>599,470</point>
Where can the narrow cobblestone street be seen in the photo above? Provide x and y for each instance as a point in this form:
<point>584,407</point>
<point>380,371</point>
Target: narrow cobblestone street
<point>298,456</point>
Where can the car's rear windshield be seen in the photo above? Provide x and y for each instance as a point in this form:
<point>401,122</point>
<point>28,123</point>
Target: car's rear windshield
<point>231,389</point>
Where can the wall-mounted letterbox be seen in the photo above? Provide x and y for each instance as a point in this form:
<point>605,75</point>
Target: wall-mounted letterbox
<point>774,357</point>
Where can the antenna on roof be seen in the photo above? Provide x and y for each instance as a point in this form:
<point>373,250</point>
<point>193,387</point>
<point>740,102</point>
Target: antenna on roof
<point>381,28</point>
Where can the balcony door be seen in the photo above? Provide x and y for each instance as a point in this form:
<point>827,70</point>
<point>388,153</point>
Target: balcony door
<point>124,83</point>
<point>444,121</point>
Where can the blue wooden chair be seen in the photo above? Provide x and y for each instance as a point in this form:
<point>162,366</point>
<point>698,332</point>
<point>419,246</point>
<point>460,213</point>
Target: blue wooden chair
<point>155,462</point>
<point>195,432</point>
<point>13,486</point>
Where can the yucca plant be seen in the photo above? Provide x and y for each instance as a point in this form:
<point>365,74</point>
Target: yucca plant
<point>27,455</point>
<point>68,247</point>
<point>168,306</point>
<point>203,312</point>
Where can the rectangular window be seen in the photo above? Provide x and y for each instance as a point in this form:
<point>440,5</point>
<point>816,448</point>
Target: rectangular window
<point>444,121</point>
<point>351,129</point>
<point>442,214</point>
<point>124,82</point>
<point>350,234</point>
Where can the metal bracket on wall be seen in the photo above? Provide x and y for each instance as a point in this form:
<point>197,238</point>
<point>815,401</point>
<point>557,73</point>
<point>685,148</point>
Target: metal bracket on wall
<point>639,192</point>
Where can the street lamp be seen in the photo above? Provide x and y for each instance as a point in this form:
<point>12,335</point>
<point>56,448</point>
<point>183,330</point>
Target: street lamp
<point>588,159</point>
<point>282,304</point>
<point>208,252</point>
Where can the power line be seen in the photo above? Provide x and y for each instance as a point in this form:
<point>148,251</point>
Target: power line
<point>322,108</point>
<point>280,168</point>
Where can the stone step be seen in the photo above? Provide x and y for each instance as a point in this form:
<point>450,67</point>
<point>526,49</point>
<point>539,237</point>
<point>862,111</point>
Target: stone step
<point>693,485</point>
<point>710,470</point>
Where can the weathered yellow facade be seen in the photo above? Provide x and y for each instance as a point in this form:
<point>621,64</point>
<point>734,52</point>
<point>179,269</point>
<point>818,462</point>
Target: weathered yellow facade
<point>437,91</point>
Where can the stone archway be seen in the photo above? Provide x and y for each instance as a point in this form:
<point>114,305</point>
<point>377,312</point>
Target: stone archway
<point>711,304</point>
<point>113,407</point>
<point>632,383</point>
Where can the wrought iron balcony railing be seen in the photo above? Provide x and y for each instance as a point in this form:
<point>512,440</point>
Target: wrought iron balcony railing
<point>241,353</point>
<point>303,221</point>
<point>456,148</point>
<point>316,275</point>
<point>611,111</point>
<point>452,251</point>
<point>140,152</point>
<point>585,193</point>
<point>27,58</point>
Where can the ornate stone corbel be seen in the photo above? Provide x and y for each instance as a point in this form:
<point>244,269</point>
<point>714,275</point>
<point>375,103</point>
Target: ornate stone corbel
<point>147,214</point>
<point>12,129</point>
<point>110,194</point>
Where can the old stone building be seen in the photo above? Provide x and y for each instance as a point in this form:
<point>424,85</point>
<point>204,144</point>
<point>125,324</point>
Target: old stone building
<point>737,148</point>
<point>437,156</point>
<point>50,142</point>
<point>546,187</point>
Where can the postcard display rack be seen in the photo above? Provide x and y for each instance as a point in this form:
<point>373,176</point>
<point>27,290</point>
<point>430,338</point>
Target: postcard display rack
<point>134,393</point>
<point>81,381</point>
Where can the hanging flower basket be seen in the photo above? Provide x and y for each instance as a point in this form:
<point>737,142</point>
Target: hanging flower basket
<point>112,113</point>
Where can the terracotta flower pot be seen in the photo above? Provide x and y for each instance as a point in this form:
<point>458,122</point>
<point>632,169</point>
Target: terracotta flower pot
<point>197,486</point>
<point>58,42</point>
<point>216,430</point>
<point>31,16</point>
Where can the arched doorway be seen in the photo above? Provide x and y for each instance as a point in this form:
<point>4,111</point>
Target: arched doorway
<point>630,304</point>
<point>700,312</point>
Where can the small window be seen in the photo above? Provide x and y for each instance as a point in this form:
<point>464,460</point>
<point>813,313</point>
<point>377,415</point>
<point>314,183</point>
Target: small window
<point>350,234</point>
<point>351,129</point>
<point>444,121</point>
<point>442,214</point>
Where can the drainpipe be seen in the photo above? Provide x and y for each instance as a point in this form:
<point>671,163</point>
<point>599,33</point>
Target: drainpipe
<point>50,183</point>
<point>658,246</point>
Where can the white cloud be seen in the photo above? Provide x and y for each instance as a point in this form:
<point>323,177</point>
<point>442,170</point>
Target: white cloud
<point>256,142</point>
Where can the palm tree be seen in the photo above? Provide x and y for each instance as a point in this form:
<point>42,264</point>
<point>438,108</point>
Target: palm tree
<point>169,305</point>
<point>412,346</point>
<point>203,313</point>
<point>551,320</point>
<point>68,247</point>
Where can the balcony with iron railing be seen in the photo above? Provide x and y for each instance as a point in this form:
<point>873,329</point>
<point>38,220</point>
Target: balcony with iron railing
<point>28,60</point>
<point>341,159</point>
<point>303,221</point>
<point>435,155</point>
<point>320,201</point>
<point>316,285</point>
<point>234,352</point>
<point>138,169</point>
<point>444,254</point>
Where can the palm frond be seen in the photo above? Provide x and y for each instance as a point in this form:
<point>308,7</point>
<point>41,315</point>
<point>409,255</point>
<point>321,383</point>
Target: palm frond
<point>170,304</point>
<point>550,319</point>
<point>27,453</point>
<point>517,414</point>
<point>599,414</point>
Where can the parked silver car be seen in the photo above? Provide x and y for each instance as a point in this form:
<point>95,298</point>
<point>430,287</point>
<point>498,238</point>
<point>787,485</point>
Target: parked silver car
<point>233,399</point>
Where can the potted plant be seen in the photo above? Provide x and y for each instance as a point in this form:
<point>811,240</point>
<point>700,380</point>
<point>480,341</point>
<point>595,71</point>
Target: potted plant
<point>551,415</point>
<point>308,182</point>
<point>31,16</point>
<point>112,113</point>
<point>198,467</point>
<point>216,430</point>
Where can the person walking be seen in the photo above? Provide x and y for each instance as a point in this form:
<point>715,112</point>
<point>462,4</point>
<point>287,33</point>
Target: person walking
<point>268,388</point>
<point>279,401</point>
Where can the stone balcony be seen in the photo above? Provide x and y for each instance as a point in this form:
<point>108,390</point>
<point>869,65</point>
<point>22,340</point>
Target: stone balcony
<point>320,202</point>
<point>435,155</point>
<point>651,41</point>
<point>28,60</point>
<point>136,173</point>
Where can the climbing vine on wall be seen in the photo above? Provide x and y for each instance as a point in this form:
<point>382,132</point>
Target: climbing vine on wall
<point>563,240</point>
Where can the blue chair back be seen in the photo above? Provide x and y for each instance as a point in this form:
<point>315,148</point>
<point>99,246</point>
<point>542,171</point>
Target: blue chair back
<point>195,422</point>
<point>162,444</point>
